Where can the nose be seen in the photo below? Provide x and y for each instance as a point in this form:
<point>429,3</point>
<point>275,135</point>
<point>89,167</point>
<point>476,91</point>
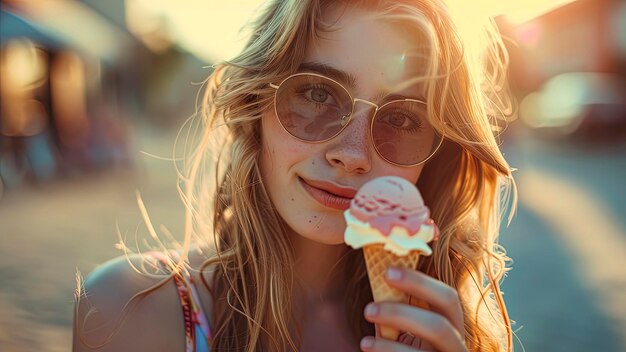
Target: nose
<point>351,149</point>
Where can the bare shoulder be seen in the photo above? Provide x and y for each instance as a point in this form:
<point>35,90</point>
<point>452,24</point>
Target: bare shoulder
<point>115,313</point>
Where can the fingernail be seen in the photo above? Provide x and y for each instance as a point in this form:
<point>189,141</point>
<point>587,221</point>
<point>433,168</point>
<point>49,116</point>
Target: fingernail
<point>371,309</point>
<point>394,274</point>
<point>367,342</point>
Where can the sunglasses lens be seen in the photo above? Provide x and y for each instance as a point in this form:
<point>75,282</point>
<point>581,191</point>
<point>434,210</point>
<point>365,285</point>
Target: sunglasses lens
<point>402,133</point>
<point>312,108</point>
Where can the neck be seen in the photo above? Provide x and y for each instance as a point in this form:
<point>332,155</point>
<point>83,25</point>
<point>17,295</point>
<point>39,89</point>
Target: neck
<point>318,269</point>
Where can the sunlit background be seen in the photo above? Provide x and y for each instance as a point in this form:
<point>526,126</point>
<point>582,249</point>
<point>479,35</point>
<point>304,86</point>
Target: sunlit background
<point>93,92</point>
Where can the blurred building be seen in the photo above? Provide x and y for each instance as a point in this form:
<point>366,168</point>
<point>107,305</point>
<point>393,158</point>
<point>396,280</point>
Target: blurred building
<point>582,36</point>
<point>73,75</point>
<point>568,68</point>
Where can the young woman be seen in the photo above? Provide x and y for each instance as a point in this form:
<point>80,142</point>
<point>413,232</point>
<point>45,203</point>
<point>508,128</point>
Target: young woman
<point>326,96</point>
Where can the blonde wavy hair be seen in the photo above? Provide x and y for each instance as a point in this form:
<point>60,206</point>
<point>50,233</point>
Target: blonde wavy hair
<point>467,184</point>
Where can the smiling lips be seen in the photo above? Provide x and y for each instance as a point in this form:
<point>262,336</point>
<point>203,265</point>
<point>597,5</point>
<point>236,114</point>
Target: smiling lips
<point>328,194</point>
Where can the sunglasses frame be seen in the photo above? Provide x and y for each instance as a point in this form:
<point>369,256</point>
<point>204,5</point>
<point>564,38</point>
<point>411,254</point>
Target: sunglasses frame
<point>350,115</point>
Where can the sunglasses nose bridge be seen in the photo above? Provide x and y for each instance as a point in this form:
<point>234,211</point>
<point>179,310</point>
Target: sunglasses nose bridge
<point>363,109</point>
<point>365,102</point>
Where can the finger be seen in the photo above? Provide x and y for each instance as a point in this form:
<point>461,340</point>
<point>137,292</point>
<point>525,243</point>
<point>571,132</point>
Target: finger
<point>429,326</point>
<point>372,344</point>
<point>406,338</point>
<point>441,298</point>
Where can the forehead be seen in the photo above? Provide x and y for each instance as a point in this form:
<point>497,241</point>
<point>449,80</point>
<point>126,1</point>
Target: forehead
<point>380,53</point>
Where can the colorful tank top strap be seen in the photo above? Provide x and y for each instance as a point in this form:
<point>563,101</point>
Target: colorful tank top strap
<point>197,331</point>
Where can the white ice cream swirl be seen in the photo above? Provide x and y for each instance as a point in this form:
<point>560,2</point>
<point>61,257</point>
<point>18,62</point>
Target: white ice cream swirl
<point>399,241</point>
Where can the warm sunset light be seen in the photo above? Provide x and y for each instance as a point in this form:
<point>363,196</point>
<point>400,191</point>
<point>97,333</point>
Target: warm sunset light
<point>460,162</point>
<point>518,11</point>
<point>211,29</point>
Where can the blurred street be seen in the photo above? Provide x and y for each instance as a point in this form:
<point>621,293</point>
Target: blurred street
<point>568,242</point>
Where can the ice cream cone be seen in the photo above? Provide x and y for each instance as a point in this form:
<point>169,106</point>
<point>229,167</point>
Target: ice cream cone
<point>390,222</point>
<point>378,260</point>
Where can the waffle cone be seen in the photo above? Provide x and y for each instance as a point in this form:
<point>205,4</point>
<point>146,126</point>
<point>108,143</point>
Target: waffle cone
<point>378,260</point>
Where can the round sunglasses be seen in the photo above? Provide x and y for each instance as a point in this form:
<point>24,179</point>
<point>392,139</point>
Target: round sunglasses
<point>314,108</point>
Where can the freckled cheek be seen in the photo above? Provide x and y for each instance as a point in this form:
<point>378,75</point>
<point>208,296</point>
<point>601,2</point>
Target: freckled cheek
<point>297,148</point>
<point>286,148</point>
<point>412,173</point>
<point>278,141</point>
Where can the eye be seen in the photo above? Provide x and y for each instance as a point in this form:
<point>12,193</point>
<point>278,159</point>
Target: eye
<point>397,120</point>
<point>401,120</point>
<point>318,95</point>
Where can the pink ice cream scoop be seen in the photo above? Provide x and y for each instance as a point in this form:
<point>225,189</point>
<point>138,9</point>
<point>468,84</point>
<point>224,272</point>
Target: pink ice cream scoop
<point>390,210</point>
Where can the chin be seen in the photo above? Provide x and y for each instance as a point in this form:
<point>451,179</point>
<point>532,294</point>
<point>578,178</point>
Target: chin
<point>330,235</point>
<point>313,224</point>
<point>329,240</point>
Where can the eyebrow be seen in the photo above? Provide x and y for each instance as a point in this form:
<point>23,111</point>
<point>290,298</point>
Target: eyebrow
<point>384,98</point>
<point>339,75</point>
